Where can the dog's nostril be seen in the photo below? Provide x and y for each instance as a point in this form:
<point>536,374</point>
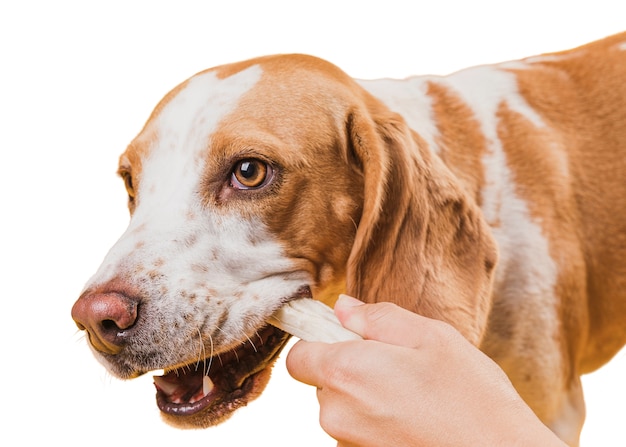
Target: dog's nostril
<point>104,316</point>
<point>109,325</point>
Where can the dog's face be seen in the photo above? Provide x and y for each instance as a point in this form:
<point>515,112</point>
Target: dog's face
<point>243,195</point>
<point>257,183</point>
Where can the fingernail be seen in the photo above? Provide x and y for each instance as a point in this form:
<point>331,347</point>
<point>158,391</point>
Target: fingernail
<point>348,301</point>
<point>348,314</point>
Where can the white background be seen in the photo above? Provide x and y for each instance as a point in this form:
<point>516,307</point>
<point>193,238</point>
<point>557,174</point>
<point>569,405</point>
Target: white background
<point>78,80</point>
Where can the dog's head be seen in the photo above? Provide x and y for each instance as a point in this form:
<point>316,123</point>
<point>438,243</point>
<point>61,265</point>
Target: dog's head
<point>257,183</point>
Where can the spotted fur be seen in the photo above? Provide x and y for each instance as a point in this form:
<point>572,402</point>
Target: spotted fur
<point>401,190</point>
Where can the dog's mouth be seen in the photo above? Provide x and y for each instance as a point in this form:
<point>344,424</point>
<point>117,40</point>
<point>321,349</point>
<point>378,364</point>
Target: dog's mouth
<point>205,393</point>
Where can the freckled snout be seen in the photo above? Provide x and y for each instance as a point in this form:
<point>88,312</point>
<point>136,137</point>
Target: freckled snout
<point>105,317</point>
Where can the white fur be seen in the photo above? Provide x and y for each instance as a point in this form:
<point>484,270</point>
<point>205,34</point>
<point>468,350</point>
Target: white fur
<point>523,247</point>
<point>526,273</point>
<point>189,258</point>
<point>408,98</point>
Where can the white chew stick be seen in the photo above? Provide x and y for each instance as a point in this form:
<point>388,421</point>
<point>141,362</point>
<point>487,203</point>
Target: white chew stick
<point>311,320</point>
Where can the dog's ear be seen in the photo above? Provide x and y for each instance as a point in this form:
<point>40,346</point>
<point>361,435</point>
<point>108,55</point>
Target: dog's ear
<point>421,241</point>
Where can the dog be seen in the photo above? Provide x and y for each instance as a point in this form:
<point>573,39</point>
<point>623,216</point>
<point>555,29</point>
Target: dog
<point>493,199</point>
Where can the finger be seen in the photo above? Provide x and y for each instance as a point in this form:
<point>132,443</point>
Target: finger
<point>303,362</point>
<point>384,322</point>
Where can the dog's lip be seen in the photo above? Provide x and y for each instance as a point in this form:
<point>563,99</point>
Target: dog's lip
<point>206,391</point>
<point>213,387</point>
<point>184,391</point>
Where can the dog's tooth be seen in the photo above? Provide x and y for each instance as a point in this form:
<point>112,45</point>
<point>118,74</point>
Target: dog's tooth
<point>165,386</point>
<point>207,385</point>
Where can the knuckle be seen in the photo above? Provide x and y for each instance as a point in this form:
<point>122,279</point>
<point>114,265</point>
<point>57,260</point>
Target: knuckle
<point>377,316</point>
<point>351,364</point>
<point>341,370</point>
<point>380,310</point>
<point>441,336</point>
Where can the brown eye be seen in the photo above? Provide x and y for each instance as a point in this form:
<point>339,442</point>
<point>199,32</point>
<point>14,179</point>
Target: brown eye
<point>250,174</point>
<point>128,183</point>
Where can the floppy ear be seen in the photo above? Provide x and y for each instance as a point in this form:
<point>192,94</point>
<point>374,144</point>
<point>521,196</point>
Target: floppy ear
<point>421,241</point>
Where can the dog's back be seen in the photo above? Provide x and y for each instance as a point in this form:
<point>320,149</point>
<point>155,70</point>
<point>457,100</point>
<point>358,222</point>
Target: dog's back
<point>233,214</point>
<point>541,145</point>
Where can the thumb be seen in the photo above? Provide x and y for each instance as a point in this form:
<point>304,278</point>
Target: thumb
<point>385,322</point>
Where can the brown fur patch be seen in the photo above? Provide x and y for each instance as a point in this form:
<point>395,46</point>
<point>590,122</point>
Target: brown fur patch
<point>460,138</point>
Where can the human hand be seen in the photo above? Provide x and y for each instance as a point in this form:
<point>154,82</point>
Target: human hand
<point>413,381</point>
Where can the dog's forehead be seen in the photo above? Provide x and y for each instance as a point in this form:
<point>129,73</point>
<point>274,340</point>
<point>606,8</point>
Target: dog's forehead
<point>168,157</point>
<point>182,122</point>
<point>289,105</point>
<point>284,90</point>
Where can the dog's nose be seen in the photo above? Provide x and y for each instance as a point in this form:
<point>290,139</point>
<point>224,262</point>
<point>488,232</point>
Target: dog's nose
<point>105,317</point>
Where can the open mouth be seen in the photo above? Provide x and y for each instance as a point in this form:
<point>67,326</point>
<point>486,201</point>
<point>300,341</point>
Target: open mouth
<point>205,393</point>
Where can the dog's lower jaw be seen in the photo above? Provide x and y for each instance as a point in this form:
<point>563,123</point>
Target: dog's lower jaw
<point>189,397</point>
<point>221,411</point>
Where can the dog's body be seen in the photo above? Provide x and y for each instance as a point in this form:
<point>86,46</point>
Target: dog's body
<point>280,177</point>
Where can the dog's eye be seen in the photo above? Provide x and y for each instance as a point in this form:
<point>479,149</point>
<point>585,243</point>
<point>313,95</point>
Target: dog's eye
<point>128,183</point>
<point>251,174</point>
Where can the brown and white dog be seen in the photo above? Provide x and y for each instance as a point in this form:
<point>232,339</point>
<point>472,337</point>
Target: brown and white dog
<point>493,199</point>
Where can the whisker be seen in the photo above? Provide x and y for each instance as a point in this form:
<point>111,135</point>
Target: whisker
<point>252,343</point>
<point>210,357</point>
<point>202,352</point>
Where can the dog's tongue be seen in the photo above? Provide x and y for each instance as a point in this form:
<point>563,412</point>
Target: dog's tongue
<point>181,388</point>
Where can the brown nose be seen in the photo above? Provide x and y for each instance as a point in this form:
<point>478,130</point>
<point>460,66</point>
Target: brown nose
<point>105,317</point>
